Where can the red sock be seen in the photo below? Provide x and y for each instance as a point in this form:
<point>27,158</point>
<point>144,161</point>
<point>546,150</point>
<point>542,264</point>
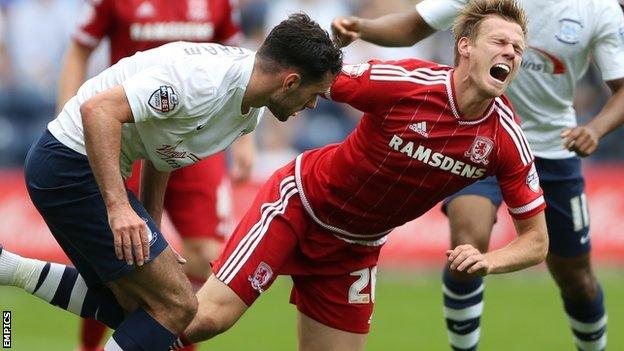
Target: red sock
<point>189,348</point>
<point>91,335</point>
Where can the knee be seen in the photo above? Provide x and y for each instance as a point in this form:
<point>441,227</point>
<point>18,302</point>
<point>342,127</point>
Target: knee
<point>185,304</point>
<point>178,308</point>
<point>582,287</point>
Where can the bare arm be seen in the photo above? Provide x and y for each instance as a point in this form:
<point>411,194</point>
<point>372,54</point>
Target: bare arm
<point>584,139</point>
<point>73,72</point>
<point>528,249</point>
<point>102,117</point>
<point>243,157</point>
<point>152,193</point>
<point>397,29</point>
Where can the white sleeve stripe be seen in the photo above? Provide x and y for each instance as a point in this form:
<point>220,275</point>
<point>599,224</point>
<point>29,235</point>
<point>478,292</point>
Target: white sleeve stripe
<point>523,156</point>
<point>405,79</point>
<point>528,207</point>
<point>504,107</point>
<point>387,72</point>
<point>515,126</point>
<point>520,138</point>
<point>424,70</point>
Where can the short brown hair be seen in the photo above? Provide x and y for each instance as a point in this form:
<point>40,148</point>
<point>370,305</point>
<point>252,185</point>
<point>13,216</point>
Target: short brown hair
<point>473,14</point>
<point>299,42</point>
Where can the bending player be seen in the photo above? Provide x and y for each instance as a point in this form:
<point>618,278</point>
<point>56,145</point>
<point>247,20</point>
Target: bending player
<point>172,106</point>
<point>559,52</point>
<point>198,197</point>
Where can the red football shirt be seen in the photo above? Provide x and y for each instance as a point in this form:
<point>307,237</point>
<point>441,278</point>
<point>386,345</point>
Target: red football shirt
<point>411,149</point>
<point>136,25</point>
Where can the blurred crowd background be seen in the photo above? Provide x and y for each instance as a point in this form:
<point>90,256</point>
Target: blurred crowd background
<point>35,33</point>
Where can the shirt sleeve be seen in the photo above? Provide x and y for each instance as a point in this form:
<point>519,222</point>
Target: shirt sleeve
<point>174,90</point>
<point>439,14</point>
<point>374,86</point>
<point>608,43</point>
<point>516,171</point>
<point>94,23</point>
<point>228,32</point>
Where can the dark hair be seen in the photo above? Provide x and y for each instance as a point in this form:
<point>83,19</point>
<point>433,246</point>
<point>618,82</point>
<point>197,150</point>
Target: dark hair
<point>299,42</point>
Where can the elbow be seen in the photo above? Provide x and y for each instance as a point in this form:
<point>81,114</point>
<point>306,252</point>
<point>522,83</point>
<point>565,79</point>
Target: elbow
<point>86,110</point>
<point>541,248</point>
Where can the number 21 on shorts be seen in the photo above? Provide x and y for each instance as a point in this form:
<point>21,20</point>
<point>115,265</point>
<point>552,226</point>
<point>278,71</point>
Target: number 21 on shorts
<point>367,276</point>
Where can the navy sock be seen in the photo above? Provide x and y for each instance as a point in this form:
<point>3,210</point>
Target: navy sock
<point>140,332</point>
<point>63,286</point>
<point>463,306</point>
<point>588,322</point>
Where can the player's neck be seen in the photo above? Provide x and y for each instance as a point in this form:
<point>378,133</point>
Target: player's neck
<point>259,89</point>
<point>471,104</point>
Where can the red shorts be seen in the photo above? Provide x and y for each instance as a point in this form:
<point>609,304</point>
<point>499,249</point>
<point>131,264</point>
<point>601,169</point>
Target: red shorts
<point>198,198</point>
<point>333,280</point>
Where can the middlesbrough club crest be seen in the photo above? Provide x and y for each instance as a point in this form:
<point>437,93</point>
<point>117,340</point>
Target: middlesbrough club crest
<point>261,277</point>
<point>480,150</point>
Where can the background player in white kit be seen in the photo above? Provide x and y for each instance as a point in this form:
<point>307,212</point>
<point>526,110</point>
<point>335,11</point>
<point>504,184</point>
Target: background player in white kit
<point>563,35</point>
<point>171,106</point>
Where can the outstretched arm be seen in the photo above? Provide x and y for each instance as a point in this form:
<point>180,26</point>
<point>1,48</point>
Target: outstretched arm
<point>397,29</point>
<point>528,249</point>
<point>584,139</point>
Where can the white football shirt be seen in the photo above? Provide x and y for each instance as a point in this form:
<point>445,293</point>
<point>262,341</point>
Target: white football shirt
<point>186,102</point>
<point>563,35</point>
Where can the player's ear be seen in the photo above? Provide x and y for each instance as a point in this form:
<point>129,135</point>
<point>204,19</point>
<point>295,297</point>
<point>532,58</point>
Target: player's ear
<point>463,46</point>
<point>292,81</point>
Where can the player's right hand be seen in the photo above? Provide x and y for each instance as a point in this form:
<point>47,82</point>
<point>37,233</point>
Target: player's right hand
<point>466,258</point>
<point>345,30</point>
<point>130,235</point>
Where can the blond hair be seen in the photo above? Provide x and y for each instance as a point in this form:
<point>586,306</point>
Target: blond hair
<point>473,14</point>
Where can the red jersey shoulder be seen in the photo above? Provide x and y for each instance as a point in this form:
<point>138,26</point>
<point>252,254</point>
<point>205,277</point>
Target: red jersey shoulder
<point>510,133</point>
<point>505,102</point>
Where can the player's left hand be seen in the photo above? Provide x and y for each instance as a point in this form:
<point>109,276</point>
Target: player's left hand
<point>243,157</point>
<point>467,259</point>
<point>582,140</point>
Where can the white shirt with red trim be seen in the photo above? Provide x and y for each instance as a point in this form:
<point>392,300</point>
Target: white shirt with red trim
<point>410,150</point>
<point>185,98</point>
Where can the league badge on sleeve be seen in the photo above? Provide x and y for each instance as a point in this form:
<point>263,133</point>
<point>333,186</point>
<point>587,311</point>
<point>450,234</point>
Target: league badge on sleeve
<point>532,179</point>
<point>164,99</point>
<point>480,150</point>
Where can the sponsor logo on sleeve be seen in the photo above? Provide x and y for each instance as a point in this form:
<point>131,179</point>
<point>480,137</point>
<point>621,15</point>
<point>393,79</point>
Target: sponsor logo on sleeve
<point>532,179</point>
<point>164,99</point>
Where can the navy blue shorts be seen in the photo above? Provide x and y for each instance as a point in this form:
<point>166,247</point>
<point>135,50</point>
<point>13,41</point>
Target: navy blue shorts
<point>567,216</point>
<point>64,191</point>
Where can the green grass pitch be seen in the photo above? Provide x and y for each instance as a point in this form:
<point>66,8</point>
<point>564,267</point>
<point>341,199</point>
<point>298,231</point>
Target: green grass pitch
<point>522,312</point>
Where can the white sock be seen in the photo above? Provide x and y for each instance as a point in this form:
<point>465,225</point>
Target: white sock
<point>19,271</point>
